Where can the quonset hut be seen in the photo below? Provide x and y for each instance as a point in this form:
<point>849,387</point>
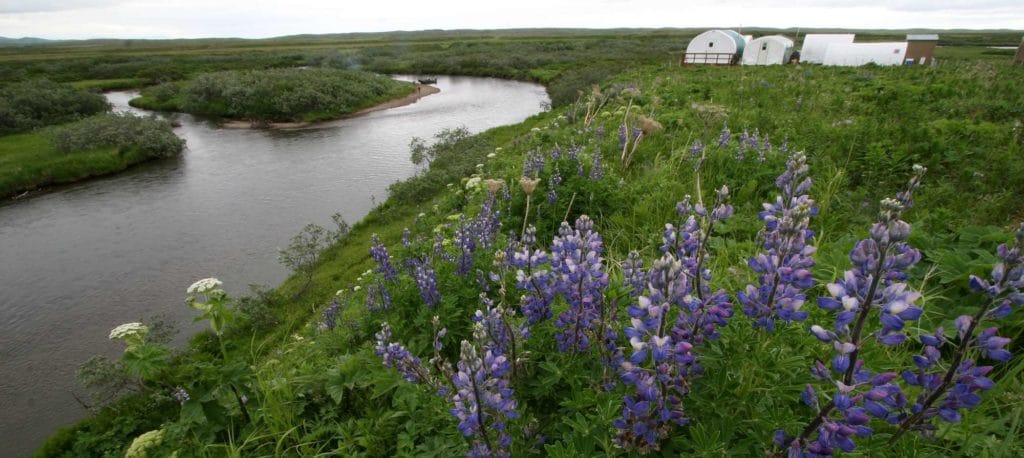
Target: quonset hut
<point>768,50</point>
<point>857,54</point>
<point>715,47</point>
<point>815,45</point>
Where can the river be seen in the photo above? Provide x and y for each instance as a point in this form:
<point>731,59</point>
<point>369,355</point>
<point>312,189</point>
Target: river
<point>81,259</point>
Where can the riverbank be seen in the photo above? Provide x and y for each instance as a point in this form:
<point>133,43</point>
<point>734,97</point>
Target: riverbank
<point>422,90</point>
<point>96,146</point>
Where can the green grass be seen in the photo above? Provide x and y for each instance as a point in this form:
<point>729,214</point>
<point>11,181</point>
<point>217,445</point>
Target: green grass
<point>112,84</point>
<point>30,161</point>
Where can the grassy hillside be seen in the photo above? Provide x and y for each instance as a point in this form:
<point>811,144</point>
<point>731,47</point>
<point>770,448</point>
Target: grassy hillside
<point>296,371</point>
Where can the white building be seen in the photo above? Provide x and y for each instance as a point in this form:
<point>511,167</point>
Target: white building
<point>815,44</point>
<point>768,50</point>
<point>721,47</point>
<point>856,54</point>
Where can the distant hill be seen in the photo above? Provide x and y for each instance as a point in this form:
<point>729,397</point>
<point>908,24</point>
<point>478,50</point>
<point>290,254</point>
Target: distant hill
<point>4,41</point>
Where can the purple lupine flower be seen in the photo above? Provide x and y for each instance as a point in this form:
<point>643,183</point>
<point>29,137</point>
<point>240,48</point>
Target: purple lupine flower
<point>406,238</point>
<point>555,153</point>
<point>596,168</point>
<point>784,147</point>
<point>465,241</point>
<point>724,137</point>
<point>498,333</point>
<point>707,310</point>
<point>637,132</point>
<point>599,132</point>
<point>396,356</point>
<point>533,164</point>
<point>330,315</point>
<point>873,284</point>
<point>784,266</point>
<point>483,401</point>
<point>575,150</point>
<point>533,278</point>
<point>553,182</point>
<point>426,281</point>
<point>634,275</point>
<point>487,224</point>
<point>439,250</point>
<point>377,297</point>
<point>945,391</point>
<point>659,364</point>
<point>622,136</point>
<point>383,259</point>
<point>696,149</point>
<point>179,394</point>
<point>580,278</point>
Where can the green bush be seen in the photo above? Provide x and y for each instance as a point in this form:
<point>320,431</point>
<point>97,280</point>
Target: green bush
<point>30,104</point>
<point>152,137</point>
<point>295,94</point>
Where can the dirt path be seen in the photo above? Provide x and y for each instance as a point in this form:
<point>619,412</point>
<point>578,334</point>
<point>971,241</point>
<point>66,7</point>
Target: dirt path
<point>422,90</point>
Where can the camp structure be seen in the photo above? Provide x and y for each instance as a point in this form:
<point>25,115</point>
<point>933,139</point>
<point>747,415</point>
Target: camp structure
<point>715,47</point>
<point>815,44</point>
<point>857,54</point>
<point>768,50</point>
<point>921,49</point>
<point>1019,58</point>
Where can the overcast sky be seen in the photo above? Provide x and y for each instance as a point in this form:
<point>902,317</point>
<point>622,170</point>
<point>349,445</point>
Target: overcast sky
<point>64,19</point>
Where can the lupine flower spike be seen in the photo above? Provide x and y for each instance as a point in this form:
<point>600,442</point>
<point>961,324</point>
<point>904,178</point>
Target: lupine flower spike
<point>944,392</point>
<point>874,284</point>
<point>783,267</point>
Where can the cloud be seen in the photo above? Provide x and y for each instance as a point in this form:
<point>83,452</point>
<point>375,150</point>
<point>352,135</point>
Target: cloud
<point>39,6</point>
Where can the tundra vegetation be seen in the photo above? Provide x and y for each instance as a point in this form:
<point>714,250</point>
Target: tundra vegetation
<point>794,260</point>
<point>294,94</point>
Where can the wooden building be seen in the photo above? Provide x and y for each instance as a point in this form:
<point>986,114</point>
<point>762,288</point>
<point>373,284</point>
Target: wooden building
<point>921,49</point>
<point>1019,58</point>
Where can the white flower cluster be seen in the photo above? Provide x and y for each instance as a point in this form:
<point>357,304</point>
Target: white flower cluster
<point>128,330</point>
<point>204,286</point>
<point>473,183</point>
<point>145,441</point>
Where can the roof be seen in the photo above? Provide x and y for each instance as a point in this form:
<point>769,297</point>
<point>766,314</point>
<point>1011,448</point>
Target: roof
<point>739,39</point>
<point>923,37</point>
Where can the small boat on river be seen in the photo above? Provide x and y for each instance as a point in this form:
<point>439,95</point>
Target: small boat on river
<point>427,80</point>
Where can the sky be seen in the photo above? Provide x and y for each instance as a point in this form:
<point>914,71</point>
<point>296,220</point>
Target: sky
<point>79,19</point>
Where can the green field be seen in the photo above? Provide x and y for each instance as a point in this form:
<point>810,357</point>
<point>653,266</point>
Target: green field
<point>293,371</point>
<point>30,161</point>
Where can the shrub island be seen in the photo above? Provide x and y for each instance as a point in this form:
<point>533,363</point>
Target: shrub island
<point>290,95</point>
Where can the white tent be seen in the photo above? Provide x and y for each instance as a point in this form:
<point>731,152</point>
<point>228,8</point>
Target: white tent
<point>856,54</point>
<point>769,50</point>
<point>815,45</point>
<point>714,47</point>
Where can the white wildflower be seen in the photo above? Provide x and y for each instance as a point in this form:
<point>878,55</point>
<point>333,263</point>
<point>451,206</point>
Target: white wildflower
<point>340,293</point>
<point>473,183</point>
<point>491,156</point>
<point>204,286</point>
<point>128,330</point>
<point>145,441</point>
<point>357,288</point>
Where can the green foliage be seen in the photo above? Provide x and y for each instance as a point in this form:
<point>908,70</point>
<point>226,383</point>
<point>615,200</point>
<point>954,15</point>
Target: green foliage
<point>151,137</point>
<point>304,248</point>
<point>295,94</point>
<point>35,103</point>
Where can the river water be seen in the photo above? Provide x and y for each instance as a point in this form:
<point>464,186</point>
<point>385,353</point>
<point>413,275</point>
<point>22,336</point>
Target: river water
<point>79,260</point>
